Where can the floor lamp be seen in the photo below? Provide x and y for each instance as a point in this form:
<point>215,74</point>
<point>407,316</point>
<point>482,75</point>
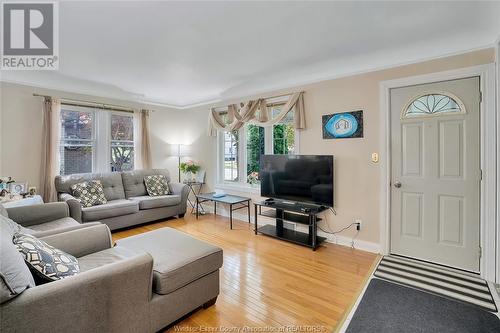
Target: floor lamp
<point>179,151</point>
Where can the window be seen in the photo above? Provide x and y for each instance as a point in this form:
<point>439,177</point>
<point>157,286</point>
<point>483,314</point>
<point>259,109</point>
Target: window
<point>242,156</point>
<point>95,140</point>
<point>433,104</point>
<point>122,142</point>
<point>231,156</point>
<point>284,135</point>
<point>255,148</point>
<point>77,142</point>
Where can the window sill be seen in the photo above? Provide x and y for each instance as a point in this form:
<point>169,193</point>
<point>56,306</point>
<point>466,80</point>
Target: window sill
<point>238,187</point>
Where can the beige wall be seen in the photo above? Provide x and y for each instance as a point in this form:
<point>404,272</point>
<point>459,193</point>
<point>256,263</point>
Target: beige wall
<point>357,179</point>
<point>21,125</point>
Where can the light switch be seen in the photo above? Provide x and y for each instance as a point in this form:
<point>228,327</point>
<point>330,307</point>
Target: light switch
<point>375,157</point>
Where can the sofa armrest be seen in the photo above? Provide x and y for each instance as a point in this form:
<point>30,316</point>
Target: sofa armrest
<point>38,214</point>
<point>75,207</point>
<point>183,191</point>
<point>110,298</point>
<point>45,233</point>
<point>83,241</point>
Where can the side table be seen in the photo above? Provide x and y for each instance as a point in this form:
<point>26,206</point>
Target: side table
<point>195,189</point>
<point>34,200</point>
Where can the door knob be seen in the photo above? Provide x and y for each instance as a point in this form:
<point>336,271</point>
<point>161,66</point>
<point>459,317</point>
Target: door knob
<point>397,184</point>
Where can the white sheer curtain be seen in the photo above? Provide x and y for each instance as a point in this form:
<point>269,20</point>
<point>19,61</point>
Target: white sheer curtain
<point>142,140</point>
<point>256,112</point>
<point>49,166</point>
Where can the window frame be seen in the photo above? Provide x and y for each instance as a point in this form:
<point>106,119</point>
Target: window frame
<point>101,149</point>
<point>453,97</point>
<point>241,184</point>
<point>126,114</point>
<point>93,141</point>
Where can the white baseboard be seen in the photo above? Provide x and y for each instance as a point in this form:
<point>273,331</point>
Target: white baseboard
<point>335,239</point>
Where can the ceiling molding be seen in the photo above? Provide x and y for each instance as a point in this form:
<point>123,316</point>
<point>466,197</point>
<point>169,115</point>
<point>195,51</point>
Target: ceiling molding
<point>245,93</point>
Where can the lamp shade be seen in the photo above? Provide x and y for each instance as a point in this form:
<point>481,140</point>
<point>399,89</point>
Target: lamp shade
<point>174,150</point>
<point>184,150</point>
<point>180,150</point>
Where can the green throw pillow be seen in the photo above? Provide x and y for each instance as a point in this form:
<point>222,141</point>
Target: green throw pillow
<point>89,193</point>
<point>45,261</point>
<point>156,185</point>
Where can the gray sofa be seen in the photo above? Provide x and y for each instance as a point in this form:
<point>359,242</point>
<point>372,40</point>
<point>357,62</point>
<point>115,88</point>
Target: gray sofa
<point>142,284</point>
<point>45,219</point>
<point>128,201</point>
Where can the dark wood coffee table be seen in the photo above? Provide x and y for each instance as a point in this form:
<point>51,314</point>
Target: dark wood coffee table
<point>231,200</point>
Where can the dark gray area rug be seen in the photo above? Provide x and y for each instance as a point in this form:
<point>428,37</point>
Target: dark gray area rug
<point>388,307</point>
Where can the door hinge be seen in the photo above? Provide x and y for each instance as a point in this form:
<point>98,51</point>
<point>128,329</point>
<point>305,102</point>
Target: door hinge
<point>480,252</point>
<point>480,97</point>
<point>481,174</point>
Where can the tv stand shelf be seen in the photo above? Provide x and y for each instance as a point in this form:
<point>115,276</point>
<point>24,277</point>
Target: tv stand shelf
<point>304,214</point>
<point>288,216</point>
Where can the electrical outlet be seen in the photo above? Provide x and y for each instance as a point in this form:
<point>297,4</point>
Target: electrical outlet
<point>358,224</point>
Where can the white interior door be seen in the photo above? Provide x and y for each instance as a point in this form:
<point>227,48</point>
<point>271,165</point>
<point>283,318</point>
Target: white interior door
<point>436,172</point>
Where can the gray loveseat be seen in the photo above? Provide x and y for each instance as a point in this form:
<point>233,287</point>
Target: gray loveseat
<point>128,201</point>
<point>45,219</point>
<point>142,284</point>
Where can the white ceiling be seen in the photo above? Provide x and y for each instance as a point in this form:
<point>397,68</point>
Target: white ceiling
<point>186,53</point>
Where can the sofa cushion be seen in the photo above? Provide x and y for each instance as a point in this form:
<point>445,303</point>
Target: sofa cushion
<point>90,193</point>
<point>147,202</point>
<point>156,185</point>
<point>133,181</point>
<point>110,209</point>
<point>63,223</point>
<point>15,276</point>
<point>178,259</point>
<point>47,262</point>
<point>104,257</point>
<point>111,183</point>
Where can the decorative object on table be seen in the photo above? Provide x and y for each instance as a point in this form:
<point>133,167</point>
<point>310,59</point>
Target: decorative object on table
<point>156,185</point>
<point>189,169</point>
<point>253,178</point>
<point>219,194</point>
<point>343,125</point>
<point>180,151</point>
<point>4,183</point>
<point>18,187</point>
<point>32,191</point>
<point>89,193</point>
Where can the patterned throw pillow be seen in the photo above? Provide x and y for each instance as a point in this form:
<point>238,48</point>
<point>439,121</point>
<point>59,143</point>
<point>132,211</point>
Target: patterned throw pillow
<point>89,193</point>
<point>156,185</point>
<point>45,261</point>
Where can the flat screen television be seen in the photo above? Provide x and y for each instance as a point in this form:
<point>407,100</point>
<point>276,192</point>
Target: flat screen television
<point>298,178</point>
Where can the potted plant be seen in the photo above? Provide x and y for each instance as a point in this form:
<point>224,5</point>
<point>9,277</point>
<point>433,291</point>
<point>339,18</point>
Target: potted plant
<point>189,169</point>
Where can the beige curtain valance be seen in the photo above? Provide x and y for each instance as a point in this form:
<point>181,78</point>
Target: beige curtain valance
<point>256,112</point>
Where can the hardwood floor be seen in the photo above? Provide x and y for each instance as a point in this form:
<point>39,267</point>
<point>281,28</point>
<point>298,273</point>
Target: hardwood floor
<point>269,283</point>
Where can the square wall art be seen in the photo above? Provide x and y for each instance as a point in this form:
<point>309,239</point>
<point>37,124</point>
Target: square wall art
<point>343,125</point>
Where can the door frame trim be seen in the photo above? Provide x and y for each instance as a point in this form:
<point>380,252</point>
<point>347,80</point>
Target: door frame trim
<point>488,222</point>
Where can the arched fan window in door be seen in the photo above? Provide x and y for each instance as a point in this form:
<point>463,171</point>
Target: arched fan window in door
<point>433,104</point>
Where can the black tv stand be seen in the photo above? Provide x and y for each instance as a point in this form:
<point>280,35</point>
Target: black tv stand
<point>296,212</point>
